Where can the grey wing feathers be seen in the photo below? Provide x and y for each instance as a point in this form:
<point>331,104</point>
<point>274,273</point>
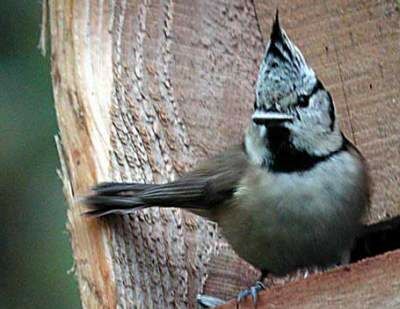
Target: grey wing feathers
<point>205,187</point>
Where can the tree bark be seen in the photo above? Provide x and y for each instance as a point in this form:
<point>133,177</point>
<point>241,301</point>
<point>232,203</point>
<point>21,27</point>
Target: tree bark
<point>145,89</point>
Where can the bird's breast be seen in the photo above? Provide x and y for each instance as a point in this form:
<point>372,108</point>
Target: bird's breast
<point>281,221</point>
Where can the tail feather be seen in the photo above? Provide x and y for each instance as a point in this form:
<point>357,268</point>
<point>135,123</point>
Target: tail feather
<point>205,188</point>
<point>188,193</point>
<point>120,201</point>
<point>120,198</point>
<point>107,200</point>
<point>107,211</point>
<point>110,188</point>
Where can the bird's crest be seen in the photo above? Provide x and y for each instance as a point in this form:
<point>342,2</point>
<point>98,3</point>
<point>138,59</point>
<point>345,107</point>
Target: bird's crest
<point>283,70</point>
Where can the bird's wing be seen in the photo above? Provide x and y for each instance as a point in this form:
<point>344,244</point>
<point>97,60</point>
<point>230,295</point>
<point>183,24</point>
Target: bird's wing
<point>211,183</point>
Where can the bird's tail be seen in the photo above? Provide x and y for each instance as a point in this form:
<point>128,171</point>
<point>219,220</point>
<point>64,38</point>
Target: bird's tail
<point>123,198</point>
<point>114,198</point>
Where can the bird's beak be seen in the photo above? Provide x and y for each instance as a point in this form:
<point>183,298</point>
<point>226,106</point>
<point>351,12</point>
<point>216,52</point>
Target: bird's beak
<point>270,117</point>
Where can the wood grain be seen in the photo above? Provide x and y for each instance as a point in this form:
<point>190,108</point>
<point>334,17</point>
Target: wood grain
<point>145,89</point>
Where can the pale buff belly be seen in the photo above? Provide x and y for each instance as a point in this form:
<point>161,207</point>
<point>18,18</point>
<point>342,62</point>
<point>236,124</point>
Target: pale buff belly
<point>284,223</point>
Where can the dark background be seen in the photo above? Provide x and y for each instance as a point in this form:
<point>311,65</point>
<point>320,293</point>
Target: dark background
<point>35,256</point>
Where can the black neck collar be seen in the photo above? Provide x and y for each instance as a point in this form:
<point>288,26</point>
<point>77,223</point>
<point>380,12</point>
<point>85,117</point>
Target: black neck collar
<point>285,158</point>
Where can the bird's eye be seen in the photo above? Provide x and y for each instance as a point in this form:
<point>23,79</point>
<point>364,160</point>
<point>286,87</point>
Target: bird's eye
<point>303,101</point>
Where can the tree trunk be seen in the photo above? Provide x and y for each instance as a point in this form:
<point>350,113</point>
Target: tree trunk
<point>145,89</point>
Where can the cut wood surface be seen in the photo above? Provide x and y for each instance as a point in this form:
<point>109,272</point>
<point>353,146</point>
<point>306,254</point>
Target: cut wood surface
<point>371,283</point>
<point>146,89</point>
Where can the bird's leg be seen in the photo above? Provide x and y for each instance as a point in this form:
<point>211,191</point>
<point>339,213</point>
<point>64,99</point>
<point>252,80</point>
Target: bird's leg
<point>206,301</point>
<point>253,291</point>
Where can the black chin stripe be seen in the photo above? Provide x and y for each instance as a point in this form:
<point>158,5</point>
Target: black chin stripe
<point>287,159</point>
<point>331,112</point>
<point>297,162</point>
<point>318,86</point>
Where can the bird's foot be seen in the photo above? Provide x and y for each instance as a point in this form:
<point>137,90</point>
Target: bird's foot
<point>253,291</point>
<point>206,301</point>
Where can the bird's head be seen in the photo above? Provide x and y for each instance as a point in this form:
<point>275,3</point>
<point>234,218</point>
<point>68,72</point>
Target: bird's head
<point>292,107</point>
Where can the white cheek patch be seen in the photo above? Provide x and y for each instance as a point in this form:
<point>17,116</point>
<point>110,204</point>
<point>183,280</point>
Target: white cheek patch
<point>255,144</point>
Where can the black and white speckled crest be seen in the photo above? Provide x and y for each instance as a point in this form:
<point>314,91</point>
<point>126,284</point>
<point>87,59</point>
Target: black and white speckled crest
<point>283,72</point>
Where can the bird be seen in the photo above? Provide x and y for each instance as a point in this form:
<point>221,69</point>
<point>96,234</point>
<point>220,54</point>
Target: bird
<point>291,195</point>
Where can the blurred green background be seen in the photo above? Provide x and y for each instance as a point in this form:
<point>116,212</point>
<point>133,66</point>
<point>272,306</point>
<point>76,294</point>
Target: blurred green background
<point>35,252</point>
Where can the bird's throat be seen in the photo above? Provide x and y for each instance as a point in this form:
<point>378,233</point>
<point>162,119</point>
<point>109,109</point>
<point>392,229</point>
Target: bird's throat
<point>285,157</point>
